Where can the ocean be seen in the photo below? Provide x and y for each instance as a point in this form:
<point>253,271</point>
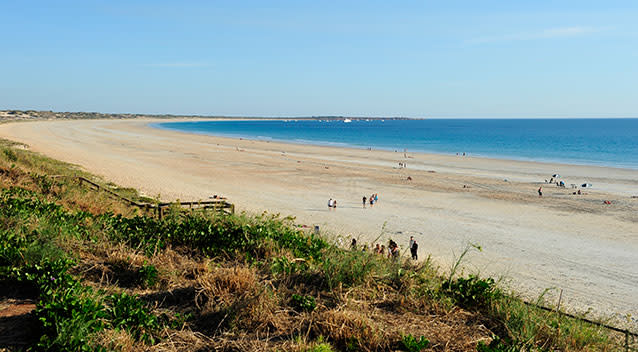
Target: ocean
<point>600,142</point>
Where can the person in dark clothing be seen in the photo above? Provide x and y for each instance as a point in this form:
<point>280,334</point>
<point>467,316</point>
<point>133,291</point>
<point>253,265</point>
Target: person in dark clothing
<point>414,249</point>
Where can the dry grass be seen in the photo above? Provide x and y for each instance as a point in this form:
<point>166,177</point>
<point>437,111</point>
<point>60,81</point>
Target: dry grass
<point>349,327</point>
<point>119,340</point>
<point>372,329</point>
<point>241,308</point>
<point>227,285</point>
<point>184,340</point>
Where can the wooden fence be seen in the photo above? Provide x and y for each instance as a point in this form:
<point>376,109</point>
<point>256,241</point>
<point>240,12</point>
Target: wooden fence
<point>218,204</point>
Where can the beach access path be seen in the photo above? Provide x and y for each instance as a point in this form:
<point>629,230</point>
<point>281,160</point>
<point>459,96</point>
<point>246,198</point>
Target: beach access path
<point>562,241</point>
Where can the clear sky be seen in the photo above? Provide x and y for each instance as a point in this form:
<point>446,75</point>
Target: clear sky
<point>299,58</point>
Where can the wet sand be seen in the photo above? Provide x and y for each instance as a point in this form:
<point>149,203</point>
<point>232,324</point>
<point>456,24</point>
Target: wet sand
<point>563,241</point>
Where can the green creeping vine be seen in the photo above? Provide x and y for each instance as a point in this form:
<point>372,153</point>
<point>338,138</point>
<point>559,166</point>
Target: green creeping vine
<point>70,313</point>
<point>412,344</point>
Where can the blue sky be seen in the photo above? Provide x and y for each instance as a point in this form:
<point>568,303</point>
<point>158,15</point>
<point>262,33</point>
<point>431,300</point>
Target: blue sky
<point>300,58</point>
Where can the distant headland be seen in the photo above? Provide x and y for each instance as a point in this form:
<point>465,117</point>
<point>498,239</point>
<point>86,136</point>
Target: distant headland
<point>80,115</point>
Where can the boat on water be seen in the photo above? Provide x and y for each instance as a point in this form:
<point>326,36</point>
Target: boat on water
<point>347,120</point>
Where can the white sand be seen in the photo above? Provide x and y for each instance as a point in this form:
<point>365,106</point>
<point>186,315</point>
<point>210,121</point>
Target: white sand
<point>575,243</point>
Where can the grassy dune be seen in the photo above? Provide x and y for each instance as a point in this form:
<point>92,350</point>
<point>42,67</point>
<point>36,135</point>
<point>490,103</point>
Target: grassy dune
<point>82,271</point>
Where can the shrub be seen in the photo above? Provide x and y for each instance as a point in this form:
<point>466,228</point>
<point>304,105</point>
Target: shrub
<point>303,303</point>
<point>411,344</point>
<point>10,154</point>
<point>472,292</point>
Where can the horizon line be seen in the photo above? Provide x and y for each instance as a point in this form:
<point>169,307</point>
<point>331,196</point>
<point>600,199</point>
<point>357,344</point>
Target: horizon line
<point>331,116</point>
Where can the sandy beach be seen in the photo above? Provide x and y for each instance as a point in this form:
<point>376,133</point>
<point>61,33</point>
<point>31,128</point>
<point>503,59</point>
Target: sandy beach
<point>563,241</point>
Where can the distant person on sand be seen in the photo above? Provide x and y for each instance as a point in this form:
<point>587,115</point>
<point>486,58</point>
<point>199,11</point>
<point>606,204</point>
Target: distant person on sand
<point>364,201</point>
<point>376,197</point>
<point>540,191</point>
<point>371,200</point>
<point>330,203</point>
<point>413,249</point>
<point>334,204</point>
<point>411,242</point>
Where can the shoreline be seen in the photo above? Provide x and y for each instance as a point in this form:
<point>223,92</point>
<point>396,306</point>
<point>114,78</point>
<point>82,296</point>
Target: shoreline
<point>561,240</point>
<point>558,162</point>
<point>599,173</point>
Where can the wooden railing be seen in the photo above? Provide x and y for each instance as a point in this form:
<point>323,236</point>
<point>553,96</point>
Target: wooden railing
<point>217,204</point>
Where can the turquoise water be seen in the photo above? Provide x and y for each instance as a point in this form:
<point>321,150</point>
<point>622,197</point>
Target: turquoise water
<point>602,142</point>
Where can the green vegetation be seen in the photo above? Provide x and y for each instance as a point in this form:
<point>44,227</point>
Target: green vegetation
<point>411,344</point>
<point>304,303</point>
<point>106,277</point>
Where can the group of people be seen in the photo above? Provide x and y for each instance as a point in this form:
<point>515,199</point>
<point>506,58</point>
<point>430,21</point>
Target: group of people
<point>373,199</point>
<point>560,183</point>
<point>393,249</point>
<point>391,252</point>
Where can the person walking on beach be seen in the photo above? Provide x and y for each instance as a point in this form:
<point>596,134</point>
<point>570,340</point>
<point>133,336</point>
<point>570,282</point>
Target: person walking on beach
<point>334,204</point>
<point>376,197</point>
<point>540,191</point>
<point>330,203</point>
<point>413,250</point>
<point>364,201</point>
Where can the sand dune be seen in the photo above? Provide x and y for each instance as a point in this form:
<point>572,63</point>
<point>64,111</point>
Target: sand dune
<point>576,243</point>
